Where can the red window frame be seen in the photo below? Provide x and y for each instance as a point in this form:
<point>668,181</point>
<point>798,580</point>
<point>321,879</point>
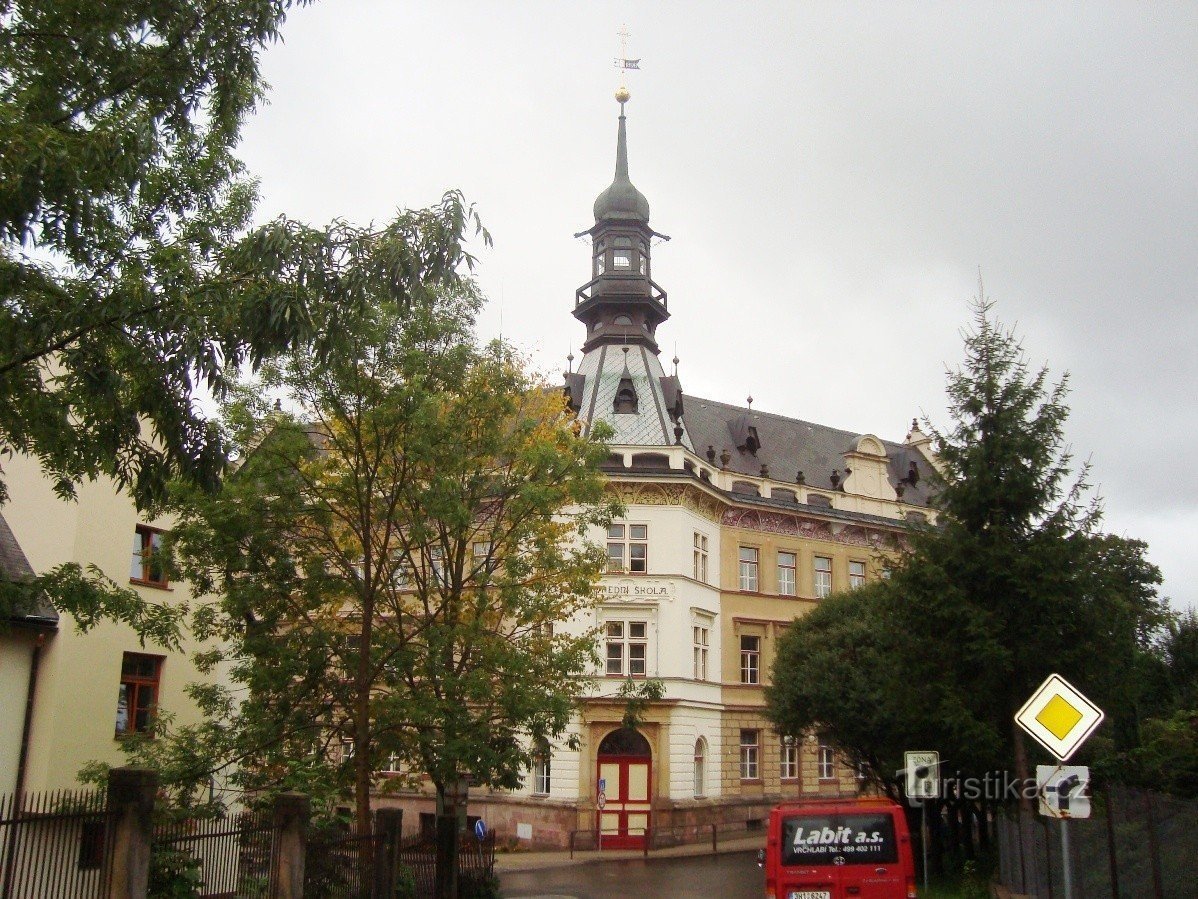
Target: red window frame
<point>137,698</point>
<point>144,569</point>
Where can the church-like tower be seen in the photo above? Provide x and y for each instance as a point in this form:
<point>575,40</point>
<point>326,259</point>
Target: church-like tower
<point>620,378</point>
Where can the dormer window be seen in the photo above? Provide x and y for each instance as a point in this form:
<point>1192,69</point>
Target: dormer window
<point>752,442</point>
<point>626,400</point>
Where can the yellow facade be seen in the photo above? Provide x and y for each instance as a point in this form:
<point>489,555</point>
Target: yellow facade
<point>79,674</point>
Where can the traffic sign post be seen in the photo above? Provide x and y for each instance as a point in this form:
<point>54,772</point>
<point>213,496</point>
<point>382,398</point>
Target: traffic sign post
<point>1060,719</point>
<point>923,783</point>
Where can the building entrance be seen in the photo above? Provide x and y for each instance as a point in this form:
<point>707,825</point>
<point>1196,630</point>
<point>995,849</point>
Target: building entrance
<point>624,771</point>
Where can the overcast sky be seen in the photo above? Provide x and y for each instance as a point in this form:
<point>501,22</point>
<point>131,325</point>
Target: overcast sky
<point>832,176</point>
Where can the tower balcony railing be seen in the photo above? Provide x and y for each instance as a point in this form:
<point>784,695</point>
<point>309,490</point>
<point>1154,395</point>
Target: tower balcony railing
<point>588,291</point>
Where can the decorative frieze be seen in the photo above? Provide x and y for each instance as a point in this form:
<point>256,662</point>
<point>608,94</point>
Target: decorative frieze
<point>691,498</point>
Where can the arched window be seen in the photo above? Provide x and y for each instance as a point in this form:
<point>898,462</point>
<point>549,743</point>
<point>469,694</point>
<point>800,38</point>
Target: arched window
<point>621,320</point>
<point>625,741</point>
<point>626,400</point>
<point>700,768</point>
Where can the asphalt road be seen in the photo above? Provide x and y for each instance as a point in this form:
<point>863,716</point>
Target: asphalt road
<point>734,875</point>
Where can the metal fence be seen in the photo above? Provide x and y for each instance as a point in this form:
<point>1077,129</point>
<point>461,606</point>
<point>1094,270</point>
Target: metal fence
<point>341,866</point>
<point>664,837</point>
<point>52,845</point>
<point>214,857</point>
<point>476,863</point>
<point>1135,844</point>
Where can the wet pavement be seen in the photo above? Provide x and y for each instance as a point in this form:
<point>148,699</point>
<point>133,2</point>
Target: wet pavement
<point>732,875</point>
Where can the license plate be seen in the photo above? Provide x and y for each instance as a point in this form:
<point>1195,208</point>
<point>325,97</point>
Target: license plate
<point>809,894</point>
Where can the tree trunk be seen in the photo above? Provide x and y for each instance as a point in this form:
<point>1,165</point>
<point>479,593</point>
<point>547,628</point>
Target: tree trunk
<point>1021,768</point>
<point>447,844</point>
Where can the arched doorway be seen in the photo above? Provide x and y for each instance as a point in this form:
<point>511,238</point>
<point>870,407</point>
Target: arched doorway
<point>624,775</point>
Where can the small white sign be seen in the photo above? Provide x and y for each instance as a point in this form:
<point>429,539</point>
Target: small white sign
<point>1063,790</point>
<point>524,831</point>
<point>923,774</point>
<point>636,589</point>
<point>1059,717</point>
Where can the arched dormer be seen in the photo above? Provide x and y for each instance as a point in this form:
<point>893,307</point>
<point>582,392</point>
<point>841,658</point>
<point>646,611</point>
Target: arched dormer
<point>626,401</point>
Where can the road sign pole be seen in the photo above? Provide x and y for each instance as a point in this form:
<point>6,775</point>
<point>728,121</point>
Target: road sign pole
<point>924,840</point>
<point>1066,861</point>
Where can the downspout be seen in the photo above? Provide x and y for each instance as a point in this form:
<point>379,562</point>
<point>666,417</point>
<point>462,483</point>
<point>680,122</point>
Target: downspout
<point>27,726</point>
<point>22,764</point>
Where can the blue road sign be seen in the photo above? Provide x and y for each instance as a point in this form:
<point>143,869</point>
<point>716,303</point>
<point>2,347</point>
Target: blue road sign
<point>480,830</point>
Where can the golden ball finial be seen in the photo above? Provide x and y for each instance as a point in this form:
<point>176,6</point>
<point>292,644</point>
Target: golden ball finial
<point>622,94</point>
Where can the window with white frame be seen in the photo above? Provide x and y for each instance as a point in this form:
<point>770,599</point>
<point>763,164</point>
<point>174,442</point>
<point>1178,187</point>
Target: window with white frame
<point>750,755</point>
<point>786,574</point>
<point>826,762</point>
<point>856,575</point>
<point>748,568</point>
<point>790,758</point>
<point>823,576</point>
<point>481,552</point>
<point>750,659</point>
<point>542,773</point>
<point>627,648</point>
<point>700,768</point>
<point>701,635</point>
<point>628,548</point>
<point>700,557</point>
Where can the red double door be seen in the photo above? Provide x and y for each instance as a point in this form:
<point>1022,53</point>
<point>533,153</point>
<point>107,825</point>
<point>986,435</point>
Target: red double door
<point>624,820</point>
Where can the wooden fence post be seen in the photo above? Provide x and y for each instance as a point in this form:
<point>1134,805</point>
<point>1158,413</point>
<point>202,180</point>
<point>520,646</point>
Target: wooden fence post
<point>388,824</point>
<point>130,810</point>
<point>291,814</point>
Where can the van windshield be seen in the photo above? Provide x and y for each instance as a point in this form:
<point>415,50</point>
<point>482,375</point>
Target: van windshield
<point>861,839</point>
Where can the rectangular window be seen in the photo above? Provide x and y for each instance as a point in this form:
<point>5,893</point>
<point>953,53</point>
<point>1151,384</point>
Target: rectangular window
<point>786,574</point>
<point>138,695</point>
<point>823,576</point>
<point>750,660</point>
<point>750,755</point>
<point>615,647</point>
<point>827,762</point>
<point>621,259</point>
<point>748,569</point>
<point>481,551</point>
<point>790,759</point>
<point>541,775</point>
<point>700,642</point>
<point>145,567</point>
<point>626,643</point>
<point>628,548</point>
<point>856,575</point>
<point>700,559</point>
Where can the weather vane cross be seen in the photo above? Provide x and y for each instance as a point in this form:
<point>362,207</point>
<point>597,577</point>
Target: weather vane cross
<point>623,63</point>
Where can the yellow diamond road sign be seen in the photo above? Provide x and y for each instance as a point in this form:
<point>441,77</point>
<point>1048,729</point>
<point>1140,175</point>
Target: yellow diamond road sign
<point>1059,717</point>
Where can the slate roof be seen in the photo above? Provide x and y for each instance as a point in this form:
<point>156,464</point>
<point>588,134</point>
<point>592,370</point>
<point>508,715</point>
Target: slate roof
<point>600,373</point>
<point>790,445</point>
<point>15,567</point>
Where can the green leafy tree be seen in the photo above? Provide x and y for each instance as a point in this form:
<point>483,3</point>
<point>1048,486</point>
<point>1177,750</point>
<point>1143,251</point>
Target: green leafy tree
<point>118,191</point>
<point>390,556</point>
<point>1012,583</point>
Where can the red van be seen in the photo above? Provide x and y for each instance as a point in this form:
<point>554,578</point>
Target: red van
<point>839,849</point>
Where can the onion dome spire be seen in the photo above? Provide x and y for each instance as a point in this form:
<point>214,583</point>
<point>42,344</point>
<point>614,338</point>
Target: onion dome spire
<point>621,200</point>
